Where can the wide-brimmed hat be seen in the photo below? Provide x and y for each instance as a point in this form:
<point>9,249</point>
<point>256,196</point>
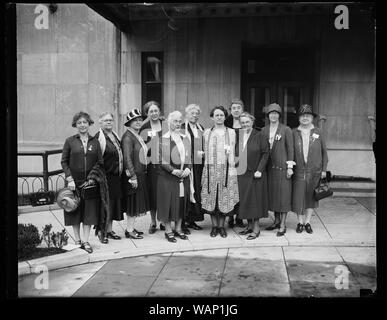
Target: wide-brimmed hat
<point>68,200</point>
<point>306,109</point>
<point>133,114</point>
<point>273,107</point>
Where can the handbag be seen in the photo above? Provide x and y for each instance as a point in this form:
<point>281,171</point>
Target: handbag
<point>42,197</point>
<point>322,190</point>
<point>90,192</point>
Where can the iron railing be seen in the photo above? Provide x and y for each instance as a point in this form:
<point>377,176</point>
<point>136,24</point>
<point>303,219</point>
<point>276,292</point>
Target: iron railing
<point>31,182</point>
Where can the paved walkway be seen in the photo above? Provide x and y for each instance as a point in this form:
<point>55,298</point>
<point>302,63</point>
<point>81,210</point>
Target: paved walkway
<point>343,243</point>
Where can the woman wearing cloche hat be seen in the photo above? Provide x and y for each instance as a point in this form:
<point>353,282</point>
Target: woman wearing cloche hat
<point>280,167</point>
<point>135,200</point>
<point>310,155</point>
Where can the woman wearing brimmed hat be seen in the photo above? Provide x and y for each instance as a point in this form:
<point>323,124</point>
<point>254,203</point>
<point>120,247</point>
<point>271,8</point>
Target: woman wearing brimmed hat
<point>135,200</point>
<point>81,155</point>
<point>310,155</point>
<point>280,167</point>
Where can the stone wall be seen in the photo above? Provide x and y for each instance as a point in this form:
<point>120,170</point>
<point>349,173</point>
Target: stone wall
<point>69,67</point>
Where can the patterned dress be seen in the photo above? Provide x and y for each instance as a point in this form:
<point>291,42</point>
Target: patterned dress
<point>219,181</point>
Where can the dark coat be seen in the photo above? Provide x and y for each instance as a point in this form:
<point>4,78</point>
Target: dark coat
<point>307,175</point>
<point>168,190</point>
<point>153,168</point>
<point>134,162</point>
<point>75,162</point>
<point>253,197</point>
<point>111,165</point>
<point>280,187</point>
<point>78,164</point>
<point>195,213</point>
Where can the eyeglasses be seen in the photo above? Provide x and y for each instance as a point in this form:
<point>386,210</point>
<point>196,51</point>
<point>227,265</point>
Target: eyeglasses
<point>108,120</point>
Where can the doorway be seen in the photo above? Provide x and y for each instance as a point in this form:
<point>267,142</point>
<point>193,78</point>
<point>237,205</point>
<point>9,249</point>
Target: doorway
<point>283,75</point>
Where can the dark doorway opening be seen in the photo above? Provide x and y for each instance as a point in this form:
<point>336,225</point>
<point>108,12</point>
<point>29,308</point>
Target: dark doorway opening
<point>284,75</point>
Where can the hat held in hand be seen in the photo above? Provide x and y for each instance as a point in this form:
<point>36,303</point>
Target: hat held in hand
<point>68,200</point>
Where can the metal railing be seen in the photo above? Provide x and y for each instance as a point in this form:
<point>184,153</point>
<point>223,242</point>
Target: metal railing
<point>27,181</point>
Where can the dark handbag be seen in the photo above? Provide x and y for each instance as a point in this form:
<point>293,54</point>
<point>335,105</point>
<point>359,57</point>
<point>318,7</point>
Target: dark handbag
<point>322,190</point>
<point>90,192</point>
<point>42,197</point>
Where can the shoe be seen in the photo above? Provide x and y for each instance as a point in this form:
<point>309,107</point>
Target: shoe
<point>152,229</point>
<point>281,233</point>
<point>139,232</point>
<point>214,232</point>
<point>103,239</point>
<point>87,247</point>
<point>253,235</point>
<point>170,237</point>
<point>246,231</point>
<point>113,235</point>
<point>300,228</point>
<point>194,226</point>
<point>132,235</point>
<point>231,222</point>
<point>222,232</point>
<point>239,223</point>
<point>273,226</point>
<point>185,230</point>
<point>181,235</point>
<point>78,243</point>
<point>308,228</point>
<point>162,227</point>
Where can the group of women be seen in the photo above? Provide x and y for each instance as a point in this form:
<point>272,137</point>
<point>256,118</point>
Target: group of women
<point>179,171</point>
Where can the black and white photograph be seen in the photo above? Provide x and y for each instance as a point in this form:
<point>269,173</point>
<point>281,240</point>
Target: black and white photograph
<point>195,150</point>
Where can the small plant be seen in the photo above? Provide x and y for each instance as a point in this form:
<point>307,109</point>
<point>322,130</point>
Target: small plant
<point>54,239</point>
<point>59,239</point>
<point>28,238</point>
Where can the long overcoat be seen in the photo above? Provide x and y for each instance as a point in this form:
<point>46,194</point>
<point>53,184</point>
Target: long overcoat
<point>307,174</point>
<point>253,197</point>
<point>282,151</point>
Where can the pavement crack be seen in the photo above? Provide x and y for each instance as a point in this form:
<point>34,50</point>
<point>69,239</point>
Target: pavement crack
<point>157,276</point>
<point>287,271</point>
<point>224,268</point>
<point>323,224</point>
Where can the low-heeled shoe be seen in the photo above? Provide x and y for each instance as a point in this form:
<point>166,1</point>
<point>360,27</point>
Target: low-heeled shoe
<point>300,228</point>
<point>222,232</point>
<point>170,237</point>
<point>246,231</point>
<point>273,226</point>
<point>214,232</point>
<point>308,228</point>
<point>181,235</point>
<point>132,235</point>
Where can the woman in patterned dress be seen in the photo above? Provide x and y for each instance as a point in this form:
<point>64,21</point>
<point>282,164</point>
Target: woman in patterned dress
<point>219,181</point>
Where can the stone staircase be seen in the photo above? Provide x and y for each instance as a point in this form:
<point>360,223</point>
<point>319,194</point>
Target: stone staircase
<point>351,188</point>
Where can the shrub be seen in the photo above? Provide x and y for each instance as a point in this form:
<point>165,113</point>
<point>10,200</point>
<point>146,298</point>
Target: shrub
<point>28,237</point>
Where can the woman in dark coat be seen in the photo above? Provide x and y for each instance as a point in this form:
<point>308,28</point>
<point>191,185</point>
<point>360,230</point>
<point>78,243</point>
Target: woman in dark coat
<point>151,132</point>
<point>135,192</point>
<point>252,180</point>
<point>113,164</point>
<point>280,167</point>
<point>233,122</point>
<point>311,157</point>
<point>194,132</point>
<point>81,154</point>
<point>173,185</point>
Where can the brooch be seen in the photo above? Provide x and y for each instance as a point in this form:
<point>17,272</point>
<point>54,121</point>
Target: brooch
<point>277,137</point>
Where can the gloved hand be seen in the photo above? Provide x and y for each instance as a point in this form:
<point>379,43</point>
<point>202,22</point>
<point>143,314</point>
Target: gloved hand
<point>71,185</point>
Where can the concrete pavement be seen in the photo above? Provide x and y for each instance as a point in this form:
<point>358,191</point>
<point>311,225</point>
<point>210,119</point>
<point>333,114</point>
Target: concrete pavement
<point>293,265</point>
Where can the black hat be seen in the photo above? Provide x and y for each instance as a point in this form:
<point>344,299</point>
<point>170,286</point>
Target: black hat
<point>306,109</point>
<point>133,114</point>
